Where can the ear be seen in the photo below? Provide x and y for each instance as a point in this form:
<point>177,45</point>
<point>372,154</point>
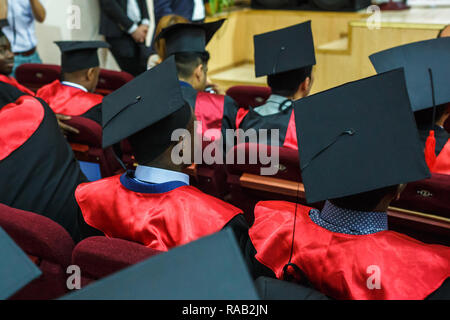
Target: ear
<point>198,72</point>
<point>90,74</point>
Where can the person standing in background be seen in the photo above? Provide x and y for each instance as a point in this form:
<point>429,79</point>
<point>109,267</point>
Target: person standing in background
<point>193,10</point>
<point>21,31</point>
<point>125,24</point>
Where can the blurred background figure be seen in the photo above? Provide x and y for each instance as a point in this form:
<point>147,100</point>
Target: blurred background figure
<point>193,10</point>
<point>21,31</point>
<point>160,45</point>
<point>125,25</point>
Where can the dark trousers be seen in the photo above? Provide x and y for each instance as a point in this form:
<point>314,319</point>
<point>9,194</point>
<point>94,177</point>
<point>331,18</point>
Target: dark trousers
<point>130,56</point>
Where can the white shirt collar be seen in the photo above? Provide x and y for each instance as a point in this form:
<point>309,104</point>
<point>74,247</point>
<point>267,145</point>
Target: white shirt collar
<point>156,175</point>
<point>75,85</point>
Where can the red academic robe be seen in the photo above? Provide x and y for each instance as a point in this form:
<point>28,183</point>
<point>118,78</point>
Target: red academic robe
<point>442,163</point>
<point>68,100</point>
<point>159,221</point>
<point>12,81</point>
<point>342,266</point>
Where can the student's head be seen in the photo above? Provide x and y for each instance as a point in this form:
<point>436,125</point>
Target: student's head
<point>294,84</point>
<point>445,32</point>
<point>88,78</point>
<point>6,56</point>
<point>80,63</point>
<point>424,118</point>
<point>375,200</point>
<point>164,22</point>
<point>192,67</point>
<point>147,146</point>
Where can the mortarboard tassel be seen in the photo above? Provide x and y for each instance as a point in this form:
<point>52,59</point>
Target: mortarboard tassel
<point>430,146</point>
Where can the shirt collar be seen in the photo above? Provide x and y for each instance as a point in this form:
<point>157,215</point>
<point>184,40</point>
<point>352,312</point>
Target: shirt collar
<point>185,84</point>
<point>272,105</point>
<point>349,221</point>
<point>74,85</point>
<point>166,180</point>
<point>157,175</point>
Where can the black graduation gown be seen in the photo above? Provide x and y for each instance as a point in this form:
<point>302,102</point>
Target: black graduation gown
<point>42,174</point>
<point>278,121</point>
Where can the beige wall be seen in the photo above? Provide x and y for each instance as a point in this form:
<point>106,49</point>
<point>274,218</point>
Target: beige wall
<point>56,28</point>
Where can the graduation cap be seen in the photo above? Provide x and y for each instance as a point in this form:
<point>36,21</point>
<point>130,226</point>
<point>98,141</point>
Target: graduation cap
<point>188,37</point>
<point>358,137</point>
<point>79,55</point>
<point>16,269</point>
<point>284,50</point>
<point>211,268</point>
<point>149,108</point>
<point>418,59</point>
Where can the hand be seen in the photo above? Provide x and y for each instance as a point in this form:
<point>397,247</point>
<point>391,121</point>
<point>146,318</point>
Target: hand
<point>140,33</point>
<point>215,87</point>
<point>64,127</point>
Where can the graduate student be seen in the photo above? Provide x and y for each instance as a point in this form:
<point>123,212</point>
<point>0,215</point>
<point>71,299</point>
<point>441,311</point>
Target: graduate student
<point>427,66</point>
<point>7,61</point>
<point>287,57</point>
<point>155,205</point>
<point>38,168</point>
<point>187,42</point>
<point>357,161</point>
<point>73,95</point>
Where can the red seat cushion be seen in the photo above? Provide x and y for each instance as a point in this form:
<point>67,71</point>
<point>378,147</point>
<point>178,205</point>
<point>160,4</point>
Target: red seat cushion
<point>102,256</point>
<point>249,96</point>
<point>46,241</point>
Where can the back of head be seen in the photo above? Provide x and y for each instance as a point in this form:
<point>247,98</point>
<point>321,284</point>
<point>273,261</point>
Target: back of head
<point>187,62</point>
<point>424,118</point>
<point>366,201</point>
<point>164,22</point>
<point>286,83</point>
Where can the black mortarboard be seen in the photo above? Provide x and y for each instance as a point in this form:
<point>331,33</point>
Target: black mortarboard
<point>79,55</point>
<point>211,268</point>
<point>16,269</point>
<point>358,137</point>
<point>189,37</point>
<point>150,106</point>
<point>416,58</point>
<point>284,50</point>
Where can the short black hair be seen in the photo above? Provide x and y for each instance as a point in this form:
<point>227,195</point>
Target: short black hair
<point>366,201</point>
<point>187,62</point>
<point>286,83</point>
<point>424,118</point>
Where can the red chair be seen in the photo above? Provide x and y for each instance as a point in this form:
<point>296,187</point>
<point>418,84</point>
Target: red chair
<point>47,243</point>
<point>87,146</point>
<point>249,96</point>
<point>110,81</point>
<point>99,257</point>
<point>35,75</point>
<point>248,186</point>
<point>429,196</point>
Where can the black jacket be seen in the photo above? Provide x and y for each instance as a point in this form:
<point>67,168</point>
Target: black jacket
<point>114,21</point>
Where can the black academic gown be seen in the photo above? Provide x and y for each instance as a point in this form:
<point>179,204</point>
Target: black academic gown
<point>278,121</point>
<point>42,174</point>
